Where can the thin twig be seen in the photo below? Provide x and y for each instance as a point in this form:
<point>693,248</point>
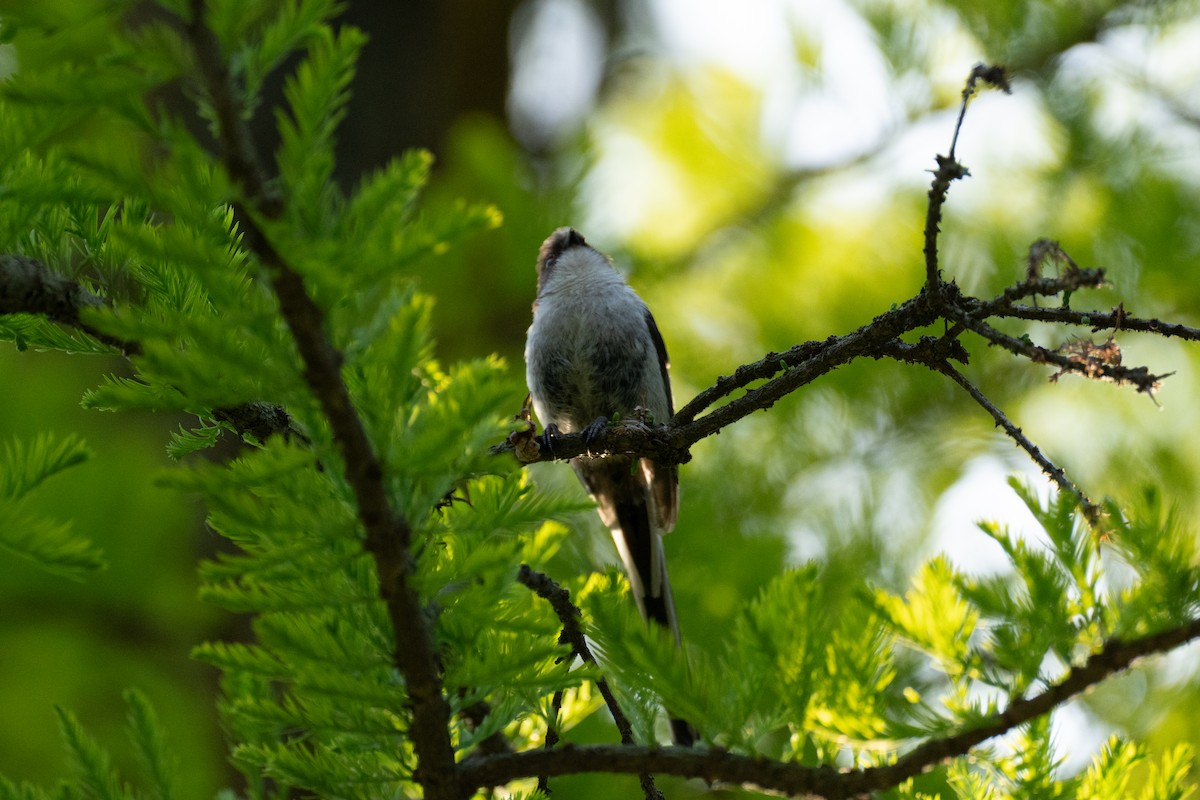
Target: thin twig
<point>572,633</point>
<point>1116,320</point>
<point>543,781</point>
<point>991,74</point>
<point>1090,510</point>
<point>1141,377</point>
<point>948,171</point>
<point>1072,281</point>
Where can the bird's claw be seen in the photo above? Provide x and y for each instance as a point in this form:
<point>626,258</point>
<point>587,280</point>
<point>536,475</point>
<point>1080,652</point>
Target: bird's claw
<point>592,431</point>
<point>547,439</point>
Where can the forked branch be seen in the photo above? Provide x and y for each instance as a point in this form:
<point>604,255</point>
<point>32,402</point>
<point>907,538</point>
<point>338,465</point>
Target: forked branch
<point>759,385</point>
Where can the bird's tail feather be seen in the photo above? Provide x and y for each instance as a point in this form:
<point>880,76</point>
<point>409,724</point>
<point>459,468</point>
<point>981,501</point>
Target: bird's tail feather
<point>641,548</point>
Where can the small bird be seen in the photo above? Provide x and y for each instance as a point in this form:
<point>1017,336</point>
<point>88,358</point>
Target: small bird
<point>592,352</point>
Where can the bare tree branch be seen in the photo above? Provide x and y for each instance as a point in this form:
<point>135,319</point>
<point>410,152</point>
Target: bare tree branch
<point>1090,510</point>
<point>793,779</point>
<point>572,634</point>
<point>1141,377</point>
<point>949,170</point>
<point>1115,320</point>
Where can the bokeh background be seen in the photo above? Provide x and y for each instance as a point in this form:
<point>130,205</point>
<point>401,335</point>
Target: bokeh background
<point>759,170</point>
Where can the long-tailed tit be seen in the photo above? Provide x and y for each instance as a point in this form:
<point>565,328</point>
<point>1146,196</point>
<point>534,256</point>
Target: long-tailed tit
<point>592,352</point>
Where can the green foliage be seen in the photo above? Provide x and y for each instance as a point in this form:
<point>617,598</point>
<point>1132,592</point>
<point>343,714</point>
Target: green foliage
<point>1022,630</point>
<point>837,662</point>
<point>150,229</point>
<point>150,744</point>
<point>91,767</point>
<point>1115,772</point>
<point>46,541</point>
<point>1162,553</point>
<point>316,94</point>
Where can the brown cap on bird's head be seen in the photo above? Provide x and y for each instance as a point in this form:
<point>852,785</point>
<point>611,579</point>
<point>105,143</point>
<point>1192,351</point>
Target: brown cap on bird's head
<point>555,245</point>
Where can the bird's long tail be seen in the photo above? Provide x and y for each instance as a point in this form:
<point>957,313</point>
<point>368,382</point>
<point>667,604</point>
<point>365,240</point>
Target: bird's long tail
<point>641,548</point>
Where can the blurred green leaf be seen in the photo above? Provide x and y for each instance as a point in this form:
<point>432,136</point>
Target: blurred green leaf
<point>24,532</point>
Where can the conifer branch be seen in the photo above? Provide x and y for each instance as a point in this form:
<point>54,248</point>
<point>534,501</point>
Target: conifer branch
<point>572,633</point>
<point>721,766</point>
<point>388,534</point>
<point>27,286</point>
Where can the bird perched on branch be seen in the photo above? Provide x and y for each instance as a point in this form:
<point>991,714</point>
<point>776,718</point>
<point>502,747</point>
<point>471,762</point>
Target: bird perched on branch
<point>592,352</point>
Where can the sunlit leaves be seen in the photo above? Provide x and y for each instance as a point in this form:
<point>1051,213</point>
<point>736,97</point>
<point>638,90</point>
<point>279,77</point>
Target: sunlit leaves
<point>1121,770</point>
<point>1022,629</point>
<point>933,615</point>
<point>1162,552</point>
<point>801,673</point>
<point>316,93</point>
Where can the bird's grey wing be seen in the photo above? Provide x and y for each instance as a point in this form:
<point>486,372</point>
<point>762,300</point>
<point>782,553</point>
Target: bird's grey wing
<point>664,481</point>
<point>660,347</point>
